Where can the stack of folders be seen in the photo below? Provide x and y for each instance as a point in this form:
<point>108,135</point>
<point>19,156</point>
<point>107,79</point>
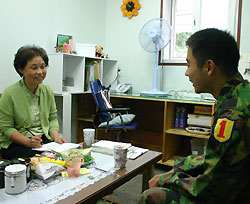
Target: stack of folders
<point>199,120</point>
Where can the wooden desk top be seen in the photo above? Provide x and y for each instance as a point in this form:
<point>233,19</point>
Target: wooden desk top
<point>105,186</point>
<point>168,99</point>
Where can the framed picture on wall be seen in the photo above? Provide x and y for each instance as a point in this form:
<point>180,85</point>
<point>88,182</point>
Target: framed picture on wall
<point>64,43</point>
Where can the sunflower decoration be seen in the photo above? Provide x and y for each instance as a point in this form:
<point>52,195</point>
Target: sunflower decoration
<point>130,8</point>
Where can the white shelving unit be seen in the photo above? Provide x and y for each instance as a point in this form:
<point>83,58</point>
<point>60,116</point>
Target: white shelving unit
<point>69,70</point>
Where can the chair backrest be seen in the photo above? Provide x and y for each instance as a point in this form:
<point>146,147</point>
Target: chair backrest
<point>101,99</point>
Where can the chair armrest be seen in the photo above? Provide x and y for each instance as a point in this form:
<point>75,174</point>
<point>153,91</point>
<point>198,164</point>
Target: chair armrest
<point>122,106</point>
<point>114,110</point>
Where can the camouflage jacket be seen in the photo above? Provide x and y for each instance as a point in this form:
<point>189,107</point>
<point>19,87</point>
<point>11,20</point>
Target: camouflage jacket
<point>222,174</point>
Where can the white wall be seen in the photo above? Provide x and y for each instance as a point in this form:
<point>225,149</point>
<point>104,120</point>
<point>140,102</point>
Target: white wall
<point>136,64</point>
<point>39,21</point>
<point>122,40</point>
<point>92,21</point>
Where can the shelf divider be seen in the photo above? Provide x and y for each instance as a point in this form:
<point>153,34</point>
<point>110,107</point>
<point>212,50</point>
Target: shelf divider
<point>183,132</point>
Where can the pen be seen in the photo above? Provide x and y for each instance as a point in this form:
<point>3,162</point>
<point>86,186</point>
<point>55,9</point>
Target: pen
<point>114,174</point>
<point>31,133</point>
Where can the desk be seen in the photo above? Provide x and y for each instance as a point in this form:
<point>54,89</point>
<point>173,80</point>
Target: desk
<point>70,190</point>
<point>92,193</point>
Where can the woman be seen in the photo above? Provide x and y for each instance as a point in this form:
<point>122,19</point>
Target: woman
<point>28,115</point>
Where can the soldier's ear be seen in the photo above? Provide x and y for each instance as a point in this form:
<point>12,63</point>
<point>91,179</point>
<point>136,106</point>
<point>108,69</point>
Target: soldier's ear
<point>210,66</point>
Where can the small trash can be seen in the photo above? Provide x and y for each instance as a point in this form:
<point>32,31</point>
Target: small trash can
<point>198,146</point>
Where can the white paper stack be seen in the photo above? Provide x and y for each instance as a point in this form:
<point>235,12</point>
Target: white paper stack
<point>86,50</point>
<point>107,147</point>
<point>199,120</point>
<point>134,152</point>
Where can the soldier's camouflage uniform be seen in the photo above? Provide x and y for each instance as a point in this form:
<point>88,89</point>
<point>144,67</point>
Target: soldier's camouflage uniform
<point>222,174</point>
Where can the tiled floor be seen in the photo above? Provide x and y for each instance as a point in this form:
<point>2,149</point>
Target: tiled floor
<point>130,192</point>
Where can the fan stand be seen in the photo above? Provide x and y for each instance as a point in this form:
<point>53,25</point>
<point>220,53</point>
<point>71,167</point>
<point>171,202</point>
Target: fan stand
<point>155,92</point>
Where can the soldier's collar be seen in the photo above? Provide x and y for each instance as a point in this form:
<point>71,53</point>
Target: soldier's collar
<point>226,91</point>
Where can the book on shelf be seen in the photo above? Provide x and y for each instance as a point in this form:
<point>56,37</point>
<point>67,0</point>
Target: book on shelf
<point>89,75</point>
<point>97,74</point>
<point>199,120</point>
<point>92,72</point>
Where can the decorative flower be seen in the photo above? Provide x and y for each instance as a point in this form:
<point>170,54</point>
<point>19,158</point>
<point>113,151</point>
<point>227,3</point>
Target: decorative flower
<point>68,47</point>
<point>130,8</point>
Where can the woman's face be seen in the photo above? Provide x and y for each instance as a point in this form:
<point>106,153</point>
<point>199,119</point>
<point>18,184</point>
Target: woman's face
<point>34,72</point>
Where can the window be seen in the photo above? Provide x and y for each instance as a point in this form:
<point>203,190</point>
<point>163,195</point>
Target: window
<point>189,16</point>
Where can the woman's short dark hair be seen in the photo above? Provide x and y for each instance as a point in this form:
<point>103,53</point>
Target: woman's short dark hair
<point>27,53</point>
<point>216,45</point>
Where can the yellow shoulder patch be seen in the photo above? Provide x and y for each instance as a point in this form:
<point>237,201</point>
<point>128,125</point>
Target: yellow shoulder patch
<point>223,129</point>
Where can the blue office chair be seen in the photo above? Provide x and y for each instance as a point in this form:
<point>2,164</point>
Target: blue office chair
<point>108,117</point>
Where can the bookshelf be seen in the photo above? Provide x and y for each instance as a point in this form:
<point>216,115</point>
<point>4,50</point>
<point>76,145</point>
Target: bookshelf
<point>156,125</point>
<point>66,76</point>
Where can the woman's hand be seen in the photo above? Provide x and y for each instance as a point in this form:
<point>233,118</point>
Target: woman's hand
<point>60,140</point>
<point>36,141</point>
<point>55,136</point>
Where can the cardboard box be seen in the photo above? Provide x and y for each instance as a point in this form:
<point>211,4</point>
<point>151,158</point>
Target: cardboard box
<point>86,50</point>
<point>204,110</point>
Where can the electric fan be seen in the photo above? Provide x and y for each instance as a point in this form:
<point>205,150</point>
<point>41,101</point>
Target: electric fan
<point>153,37</point>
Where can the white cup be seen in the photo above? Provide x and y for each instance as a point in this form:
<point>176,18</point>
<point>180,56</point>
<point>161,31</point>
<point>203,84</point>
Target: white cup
<point>120,156</point>
<point>88,136</point>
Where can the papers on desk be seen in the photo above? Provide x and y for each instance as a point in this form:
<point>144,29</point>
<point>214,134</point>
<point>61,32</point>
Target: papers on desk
<point>107,147</point>
<point>53,146</point>
<point>134,152</point>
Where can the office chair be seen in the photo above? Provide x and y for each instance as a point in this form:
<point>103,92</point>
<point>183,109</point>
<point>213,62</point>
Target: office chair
<point>0,135</point>
<point>108,117</point>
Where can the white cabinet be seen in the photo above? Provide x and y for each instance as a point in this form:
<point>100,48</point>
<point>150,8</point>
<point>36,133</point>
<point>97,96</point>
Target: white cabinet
<point>65,75</point>
<point>65,70</point>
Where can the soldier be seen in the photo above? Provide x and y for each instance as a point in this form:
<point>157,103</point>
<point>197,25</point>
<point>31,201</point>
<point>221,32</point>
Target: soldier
<point>222,173</point>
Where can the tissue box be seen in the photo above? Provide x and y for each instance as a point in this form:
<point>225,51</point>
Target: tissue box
<point>86,50</point>
<point>204,110</point>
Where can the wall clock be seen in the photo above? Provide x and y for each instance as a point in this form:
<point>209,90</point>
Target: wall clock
<point>130,8</point>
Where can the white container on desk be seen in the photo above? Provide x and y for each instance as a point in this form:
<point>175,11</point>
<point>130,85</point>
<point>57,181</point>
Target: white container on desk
<point>87,50</point>
<point>15,179</point>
